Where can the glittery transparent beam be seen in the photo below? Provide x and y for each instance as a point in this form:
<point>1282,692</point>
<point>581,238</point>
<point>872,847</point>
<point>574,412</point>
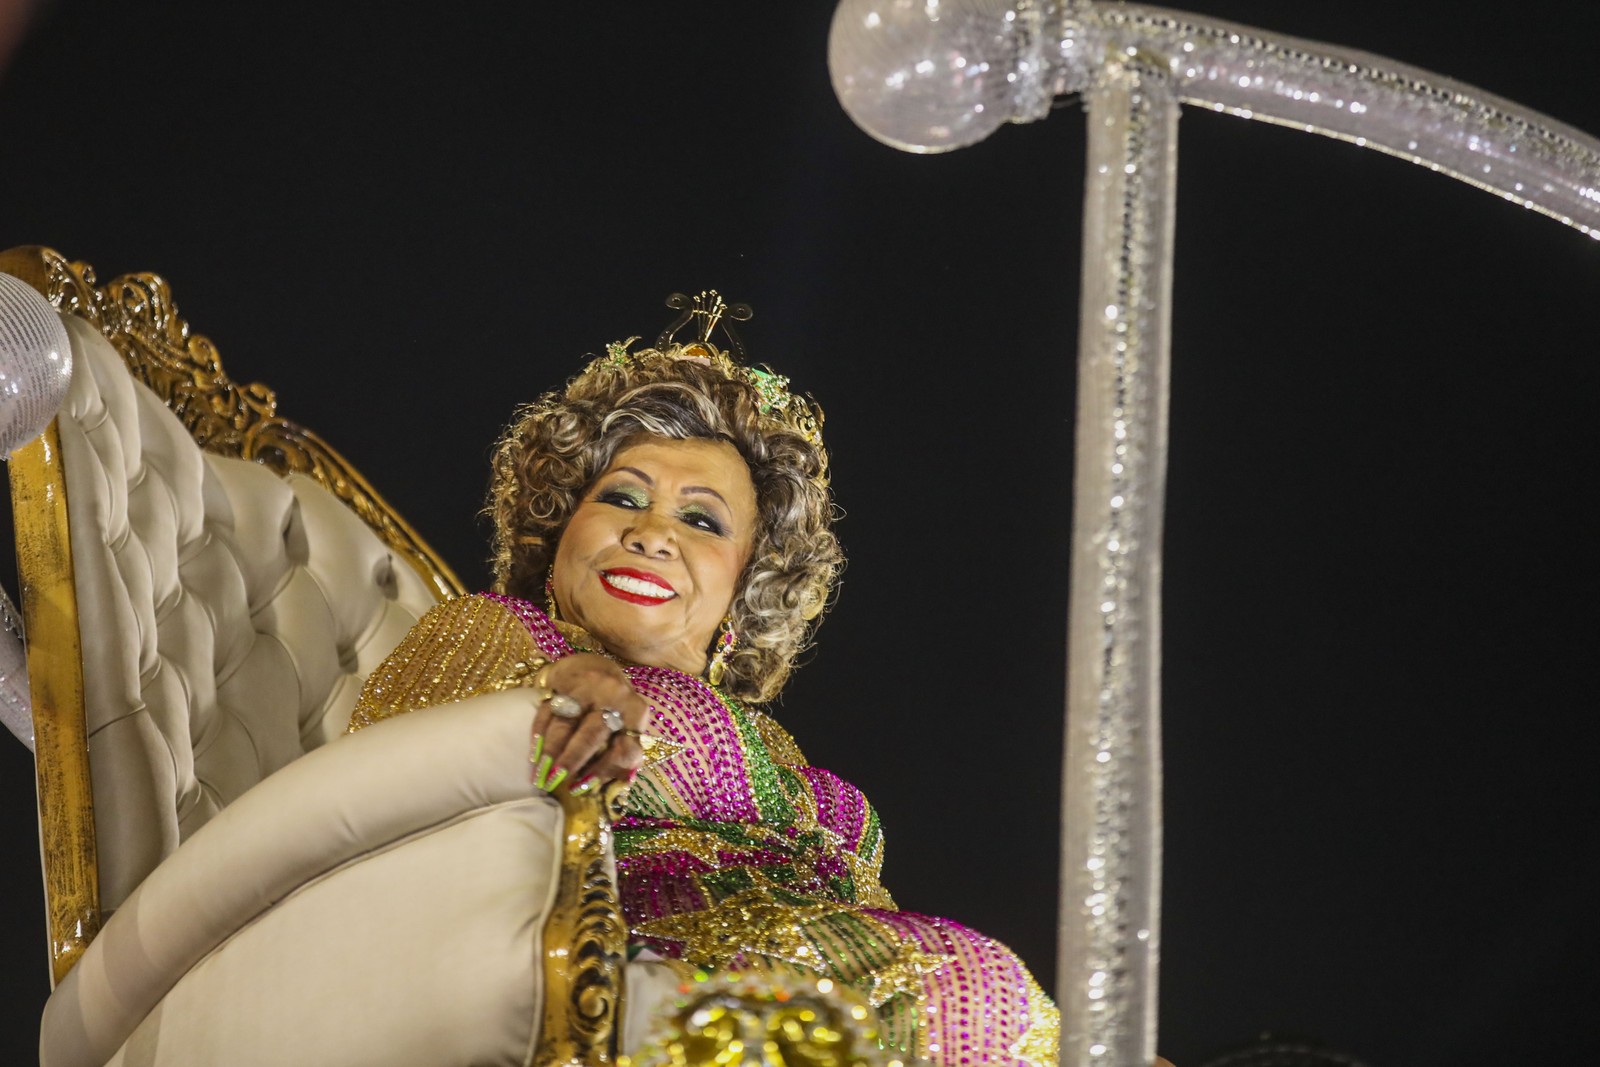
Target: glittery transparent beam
<point>1367,100</point>
<point>935,77</point>
<point>1111,801</point>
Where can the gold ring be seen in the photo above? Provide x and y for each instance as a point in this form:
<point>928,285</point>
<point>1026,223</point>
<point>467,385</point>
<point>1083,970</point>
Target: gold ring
<point>646,741</point>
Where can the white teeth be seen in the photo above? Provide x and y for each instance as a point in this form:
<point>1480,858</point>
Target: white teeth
<point>637,586</point>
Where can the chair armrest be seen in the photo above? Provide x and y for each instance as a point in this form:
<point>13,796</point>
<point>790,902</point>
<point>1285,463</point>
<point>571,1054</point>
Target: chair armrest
<point>286,919</point>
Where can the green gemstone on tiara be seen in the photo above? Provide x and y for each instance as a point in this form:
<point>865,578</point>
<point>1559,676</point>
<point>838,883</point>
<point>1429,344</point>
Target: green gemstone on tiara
<point>774,388</point>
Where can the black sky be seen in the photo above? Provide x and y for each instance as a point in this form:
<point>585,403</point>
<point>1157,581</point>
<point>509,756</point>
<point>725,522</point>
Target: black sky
<point>1380,580</point>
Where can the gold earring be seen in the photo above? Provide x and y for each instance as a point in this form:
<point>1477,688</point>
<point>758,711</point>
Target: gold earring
<point>717,669</point>
<point>550,594</point>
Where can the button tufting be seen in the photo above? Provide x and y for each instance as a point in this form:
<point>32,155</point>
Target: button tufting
<point>384,578</point>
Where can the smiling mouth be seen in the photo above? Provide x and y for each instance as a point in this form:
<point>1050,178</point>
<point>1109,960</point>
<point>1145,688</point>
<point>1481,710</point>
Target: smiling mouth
<point>636,587</point>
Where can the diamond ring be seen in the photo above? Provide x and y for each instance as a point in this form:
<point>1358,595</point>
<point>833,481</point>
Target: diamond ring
<point>564,707</point>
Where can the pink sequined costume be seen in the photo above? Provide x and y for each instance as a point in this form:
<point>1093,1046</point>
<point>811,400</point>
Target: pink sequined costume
<point>735,852</point>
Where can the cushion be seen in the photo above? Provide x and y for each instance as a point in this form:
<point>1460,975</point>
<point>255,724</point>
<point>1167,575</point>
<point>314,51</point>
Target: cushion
<point>381,900</point>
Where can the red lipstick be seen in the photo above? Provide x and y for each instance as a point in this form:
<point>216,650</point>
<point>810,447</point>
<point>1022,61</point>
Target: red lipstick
<point>637,576</point>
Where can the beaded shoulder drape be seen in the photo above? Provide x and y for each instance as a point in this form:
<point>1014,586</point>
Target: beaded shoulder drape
<point>735,853</point>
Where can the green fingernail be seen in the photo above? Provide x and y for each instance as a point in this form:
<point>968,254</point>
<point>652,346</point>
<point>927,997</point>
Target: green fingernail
<point>544,769</point>
<point>538,748</point>
<point>557,776</point>
<point>582,787</point>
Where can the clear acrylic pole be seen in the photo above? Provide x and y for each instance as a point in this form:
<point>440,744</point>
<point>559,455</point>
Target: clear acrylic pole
<point>1111,802</point>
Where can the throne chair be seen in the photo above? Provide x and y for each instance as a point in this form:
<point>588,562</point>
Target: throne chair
<point>229,879</point>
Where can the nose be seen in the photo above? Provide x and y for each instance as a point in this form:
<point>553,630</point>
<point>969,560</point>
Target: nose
<point>651,535</point>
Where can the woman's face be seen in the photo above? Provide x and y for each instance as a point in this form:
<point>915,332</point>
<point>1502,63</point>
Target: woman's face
<point>651,558</point>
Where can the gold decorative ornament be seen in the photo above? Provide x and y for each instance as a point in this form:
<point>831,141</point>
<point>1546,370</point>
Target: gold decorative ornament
<point>726,642</point>
<point>137,314</point>
<point>1038,1045</point>
<point>585,940</point>
<point>766,1019</point>
<point>737,930</point>
<point>903,977</point>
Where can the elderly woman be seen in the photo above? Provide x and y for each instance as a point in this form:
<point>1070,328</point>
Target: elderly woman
<point>662,549</point>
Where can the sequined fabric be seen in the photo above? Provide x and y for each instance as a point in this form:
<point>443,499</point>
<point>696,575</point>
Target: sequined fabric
<point>459,648</point>
<point>735,853</point>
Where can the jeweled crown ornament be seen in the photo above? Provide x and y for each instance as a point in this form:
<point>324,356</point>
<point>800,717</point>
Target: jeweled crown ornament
<point>706,312</point>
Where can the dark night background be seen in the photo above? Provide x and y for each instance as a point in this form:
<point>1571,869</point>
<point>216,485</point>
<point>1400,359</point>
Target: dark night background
<point>1380,579</point>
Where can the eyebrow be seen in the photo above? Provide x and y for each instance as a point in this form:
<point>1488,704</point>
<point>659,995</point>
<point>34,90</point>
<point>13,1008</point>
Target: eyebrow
<point>701,490</point>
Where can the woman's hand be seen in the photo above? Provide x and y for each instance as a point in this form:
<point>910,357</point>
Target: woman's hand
<point>583,751</point>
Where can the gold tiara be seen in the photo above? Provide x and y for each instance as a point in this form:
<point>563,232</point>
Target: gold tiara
<point>706,312</point>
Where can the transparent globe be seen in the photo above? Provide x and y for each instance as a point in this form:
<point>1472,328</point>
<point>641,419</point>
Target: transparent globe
<point>35,363</point>
<point>935,75</point>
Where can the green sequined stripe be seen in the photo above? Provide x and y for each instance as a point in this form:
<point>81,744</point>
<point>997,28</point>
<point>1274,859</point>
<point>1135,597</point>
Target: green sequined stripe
<point>720,885</point>
<point>771,801</point>
<point>871,847</point>
<point>648,800</point>
<point>898,1021</point>
<point>792,784</point>
<point>630,840</point>
<point>854,947</point>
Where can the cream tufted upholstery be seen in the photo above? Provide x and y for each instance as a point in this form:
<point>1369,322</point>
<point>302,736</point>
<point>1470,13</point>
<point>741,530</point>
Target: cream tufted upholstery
<point>230,616</point>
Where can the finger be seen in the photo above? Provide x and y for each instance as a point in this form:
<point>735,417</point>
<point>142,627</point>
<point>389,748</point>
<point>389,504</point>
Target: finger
<point>571,745</point>
<point>594,692</point>
<point>556,757</point>
<point>587,745</point>
<point>567,744</point>
<point>562,717</point>
<point>539,740</point>
<point>545,723</point>
<point>617,755</point>
<point>622,758</point>
<point>550,737</point>
<point>596,739</point>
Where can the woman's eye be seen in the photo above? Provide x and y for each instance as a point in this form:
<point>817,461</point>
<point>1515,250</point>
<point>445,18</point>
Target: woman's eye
<point>623,498</point>
<point>702,521</point>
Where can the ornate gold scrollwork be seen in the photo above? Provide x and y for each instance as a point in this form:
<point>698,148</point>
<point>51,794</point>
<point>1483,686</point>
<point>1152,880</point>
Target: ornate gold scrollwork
<point>138,316</point>
<point>767,1019</point>
<point>585,942</point>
